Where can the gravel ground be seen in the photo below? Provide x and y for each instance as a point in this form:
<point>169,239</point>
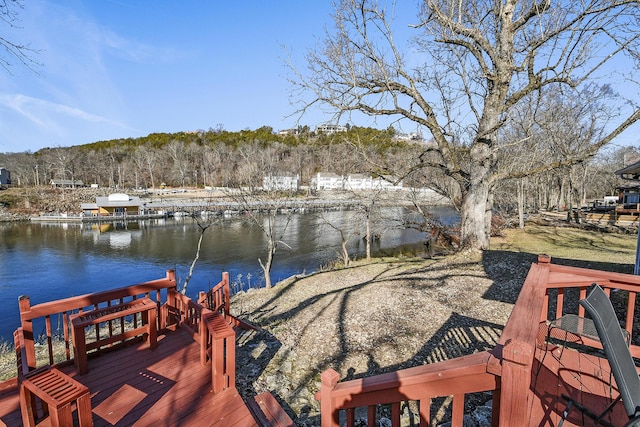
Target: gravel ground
<point>372,318</point>
<point>389,314</point>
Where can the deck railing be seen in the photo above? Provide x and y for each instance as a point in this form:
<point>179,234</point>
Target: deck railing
<point>419,385</point>
<point>218,298</point>
<point>506,370</point>
<point>53,317</point>
<point>562,298</point>
<point>182,310</point>
<point>209,328</point>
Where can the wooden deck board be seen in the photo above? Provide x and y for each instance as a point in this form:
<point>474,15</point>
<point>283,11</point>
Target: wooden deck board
<point>585,377</point>
<point>138,386</point>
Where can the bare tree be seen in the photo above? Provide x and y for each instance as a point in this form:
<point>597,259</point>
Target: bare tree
<point>203,224</point>
<point>13,50</point>
<point>179,156</point>
<point>269,212</point>
<point>267,209</point>
<point>471,62</point>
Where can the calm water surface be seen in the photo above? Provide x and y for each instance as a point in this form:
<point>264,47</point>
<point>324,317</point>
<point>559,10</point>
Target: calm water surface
<point>58,260</point>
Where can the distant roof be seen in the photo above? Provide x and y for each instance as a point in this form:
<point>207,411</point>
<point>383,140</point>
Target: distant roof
<point>121,200</point>
<point>630,172</point>
<point>66,182</point>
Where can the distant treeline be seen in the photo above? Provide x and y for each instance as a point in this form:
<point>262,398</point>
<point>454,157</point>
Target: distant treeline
<point>210,158</point>
<point>220,158</point>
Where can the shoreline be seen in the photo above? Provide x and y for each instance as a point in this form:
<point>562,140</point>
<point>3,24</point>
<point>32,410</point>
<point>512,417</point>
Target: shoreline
<point>393,313</point>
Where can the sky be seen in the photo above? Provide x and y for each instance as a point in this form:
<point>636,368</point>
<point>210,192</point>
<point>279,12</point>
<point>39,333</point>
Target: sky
<point>116,69</point>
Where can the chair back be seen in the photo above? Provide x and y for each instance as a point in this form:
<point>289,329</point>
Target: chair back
<point>599,307</point>
<point>21,356</point>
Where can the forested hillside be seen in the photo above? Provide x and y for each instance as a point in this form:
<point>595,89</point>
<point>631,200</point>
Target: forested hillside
<point>219,158</point>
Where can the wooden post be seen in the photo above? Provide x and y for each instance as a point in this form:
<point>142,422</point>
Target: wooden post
<point>223,349</point>
<point>203,336</point>
<point>227,295</point>
<point>230,360</point>
<point>328,415</point>
<point>544,259</point>
<point>517,359</point>
<point>24,303</point>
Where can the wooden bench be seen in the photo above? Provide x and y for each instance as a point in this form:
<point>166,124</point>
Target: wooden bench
<point>145,306</point>
<point>55,390</point>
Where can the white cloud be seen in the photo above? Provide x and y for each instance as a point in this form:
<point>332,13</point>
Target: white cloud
<point>48,115</point>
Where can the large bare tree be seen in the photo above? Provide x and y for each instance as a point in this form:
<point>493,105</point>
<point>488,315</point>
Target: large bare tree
<point>11,49</point>
<point>470,62</point>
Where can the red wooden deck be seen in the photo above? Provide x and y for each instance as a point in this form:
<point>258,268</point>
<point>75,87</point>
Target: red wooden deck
<point>140,387</point>
<point>526,372</point>
<point>581,373</point>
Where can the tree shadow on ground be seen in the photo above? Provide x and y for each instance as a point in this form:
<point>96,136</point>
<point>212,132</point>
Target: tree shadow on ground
<point>458,336</point>
<point>508,271</point>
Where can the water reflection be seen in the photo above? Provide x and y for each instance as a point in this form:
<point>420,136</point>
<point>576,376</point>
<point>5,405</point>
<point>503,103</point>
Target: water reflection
<point>48,261</point>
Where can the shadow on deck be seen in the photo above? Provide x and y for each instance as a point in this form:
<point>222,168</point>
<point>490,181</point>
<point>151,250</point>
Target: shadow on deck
<point>138,386</point>
<point>183,376</point>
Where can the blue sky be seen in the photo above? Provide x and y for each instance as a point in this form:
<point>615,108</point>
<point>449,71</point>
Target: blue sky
<point>120,68</point>
<point>115,68</point>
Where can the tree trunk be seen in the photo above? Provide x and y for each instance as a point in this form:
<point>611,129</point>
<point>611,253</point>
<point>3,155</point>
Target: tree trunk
<point>521,199</point>
<point>474,216</point>
<point>368,238</point>
<point>266,266</point>
<point>345,251</point>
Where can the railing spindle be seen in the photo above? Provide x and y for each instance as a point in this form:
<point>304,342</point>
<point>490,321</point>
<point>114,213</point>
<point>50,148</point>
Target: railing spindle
<point>631,309</point>
<point>47,322</point>
<point>395,414</point>
<point>560,303</point>
<point>371,415</point>
<point>65,333</point>
<point>351,417</point>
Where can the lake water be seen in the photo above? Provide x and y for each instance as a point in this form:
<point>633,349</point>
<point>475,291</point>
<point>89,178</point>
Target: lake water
<point>48,261</point>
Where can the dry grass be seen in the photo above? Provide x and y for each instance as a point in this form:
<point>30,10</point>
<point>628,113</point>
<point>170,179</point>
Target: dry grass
<point>569,243</point>
<point>394,313</point>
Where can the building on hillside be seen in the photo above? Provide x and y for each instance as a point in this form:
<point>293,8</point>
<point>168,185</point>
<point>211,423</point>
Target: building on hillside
<point>358,181</point>
<point>412,136</point>
<point>5,178</point>
<point>361,182</point>
<point>286,132</point>
<point>66,183</point>
<point>631,172</point>
<point>387,183</point>
<point>330,129</point>
<point>281,183</point>
<point>327,181</point>
<point>117,204</point>
<point>630,192</point>
<point>630,196</point>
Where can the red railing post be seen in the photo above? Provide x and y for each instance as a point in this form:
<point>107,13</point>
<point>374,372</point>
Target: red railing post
<point>329,416</point>
<point>517,359</point>
<point>227,294</point>
<point>218,337</point>
<point>24,304</point>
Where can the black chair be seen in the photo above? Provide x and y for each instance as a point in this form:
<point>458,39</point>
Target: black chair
<point>599,307</point>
